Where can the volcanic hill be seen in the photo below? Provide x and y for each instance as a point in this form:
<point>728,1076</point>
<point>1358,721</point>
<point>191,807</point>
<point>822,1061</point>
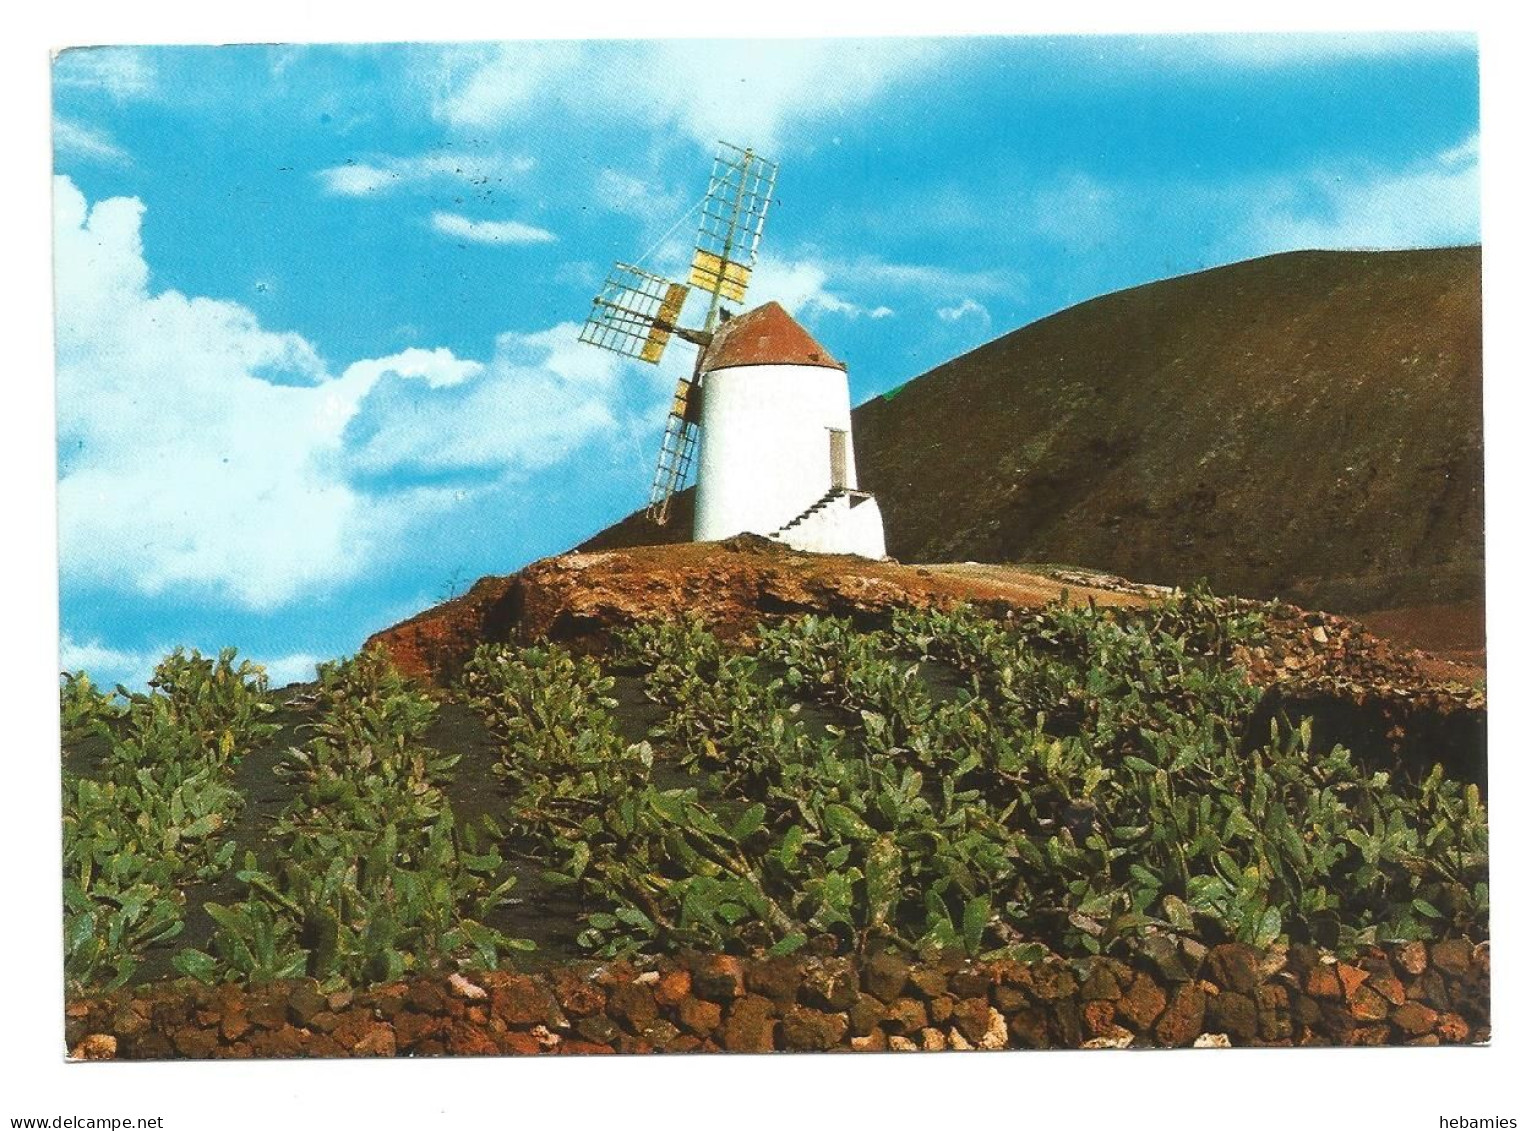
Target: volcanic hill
<point>1306,426</point>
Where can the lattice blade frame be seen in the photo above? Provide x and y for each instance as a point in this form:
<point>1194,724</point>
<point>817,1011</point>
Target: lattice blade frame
<point>731,221</point>
<point>634,314</point>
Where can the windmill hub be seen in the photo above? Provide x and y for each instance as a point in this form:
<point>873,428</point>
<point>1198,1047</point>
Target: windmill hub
<point>767,407</point>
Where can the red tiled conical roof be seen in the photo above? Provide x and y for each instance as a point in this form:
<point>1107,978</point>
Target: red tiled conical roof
<point>765,336</point>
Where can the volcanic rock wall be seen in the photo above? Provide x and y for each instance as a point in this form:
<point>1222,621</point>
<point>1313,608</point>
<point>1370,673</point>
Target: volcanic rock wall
<point>1171,994</point>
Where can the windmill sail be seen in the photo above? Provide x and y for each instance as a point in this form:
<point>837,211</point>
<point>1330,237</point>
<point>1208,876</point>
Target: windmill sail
<point>731,225</point>
<point>636,314</point>
<point>679,440</point>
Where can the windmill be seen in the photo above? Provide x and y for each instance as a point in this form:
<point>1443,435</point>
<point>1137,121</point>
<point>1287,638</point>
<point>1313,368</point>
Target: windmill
<point>636,314</point>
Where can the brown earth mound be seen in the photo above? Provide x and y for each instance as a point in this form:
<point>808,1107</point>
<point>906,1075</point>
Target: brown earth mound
<point>579,598</point>
<point>1361,690</point>
<point>1306,426</point>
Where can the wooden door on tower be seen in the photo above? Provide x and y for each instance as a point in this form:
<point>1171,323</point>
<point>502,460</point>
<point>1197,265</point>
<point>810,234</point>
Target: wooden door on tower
<point>838,439</point>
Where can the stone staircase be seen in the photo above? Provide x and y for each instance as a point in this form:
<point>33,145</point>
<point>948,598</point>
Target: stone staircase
<point>826,526</point>
<point>805,516</point>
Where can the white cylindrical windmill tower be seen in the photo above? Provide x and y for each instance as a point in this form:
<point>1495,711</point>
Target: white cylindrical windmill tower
<point>776,441</point>
<point>766,406</point>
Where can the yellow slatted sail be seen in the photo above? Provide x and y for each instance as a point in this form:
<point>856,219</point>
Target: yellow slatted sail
<point>667,317</point>
<point>710,272</point>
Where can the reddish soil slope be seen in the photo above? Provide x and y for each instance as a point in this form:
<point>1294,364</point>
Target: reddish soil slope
<point>580,597</point>
<point>1362,690</point>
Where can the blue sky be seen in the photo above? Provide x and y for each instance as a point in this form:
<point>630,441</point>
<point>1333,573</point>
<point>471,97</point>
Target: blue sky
<point>317,307</point>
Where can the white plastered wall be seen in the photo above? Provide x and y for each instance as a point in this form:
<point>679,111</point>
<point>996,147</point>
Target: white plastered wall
<point>765,447</point>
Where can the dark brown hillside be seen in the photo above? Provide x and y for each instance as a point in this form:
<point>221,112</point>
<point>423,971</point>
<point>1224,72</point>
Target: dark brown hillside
<point>1307,425</point>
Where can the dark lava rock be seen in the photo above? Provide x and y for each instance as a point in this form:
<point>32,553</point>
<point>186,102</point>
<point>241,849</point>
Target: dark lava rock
<point>661,1035</point>
<point>1028,1028</point>
<point>520,1000</point>
<point>749,1026</point>
<point>885,976</point>
<point>1161,953</point>
<point>1233,1014</point>
<point>1052,981</point>
<point>633,1004</point>
<point>1431,988</point>
<point>578,996</point>
<point>905,1015</point>
<point>267,1007</point>
<point>865,1016</point>
<point>1102,985</point>
<point>1273,1020</point>
<point>1368,1005</point>
<point>972,981</point>
<point>775,978</point>
<point>423,997</point>
<point>1067,1023</point>
<point>1414,1019</point>
<point>718,977</point>
<point>1452,957</point>
<point>699,1016</point>
<point>195,1043</point>
<point>1009,996</point>
<point>928,981</point>
<point>597,1028</point>
<point>973,1018</point>
<point>1182,1020</point>
<point>1144,1002</point>
<point>829,984</point>
<point>1234,966</point>
<point>811,1030</point>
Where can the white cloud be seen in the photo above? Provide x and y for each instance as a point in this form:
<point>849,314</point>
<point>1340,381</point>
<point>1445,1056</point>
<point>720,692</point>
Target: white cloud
<point>108,666</point>
<point>299,667</point>
<point>969,308</point>
<point>800,286</point>
<point>383,174</point>
<point>105,665</point>
<point>856,288</point>
<point>744,90</point>
<point>357,179</point>
<point>540,397</point>
<point>868,273</point>
<point>179,466</point>
<point>488,231</point>
<point>437,368</point>
<point>200,452</point>
<point>1279,49</point>
<point>1430,203</point>
<point>122,72</point>
<point>75,139</point>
